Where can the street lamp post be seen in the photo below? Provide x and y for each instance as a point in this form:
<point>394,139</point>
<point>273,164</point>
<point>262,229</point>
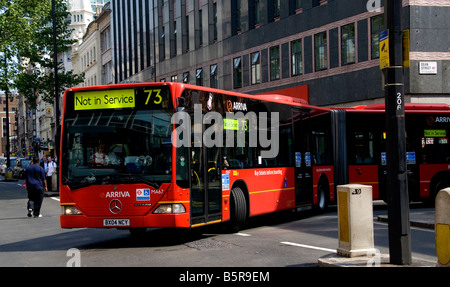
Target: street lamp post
<point>55,65</point>
<point>8,159</point>
<point>397,187</point>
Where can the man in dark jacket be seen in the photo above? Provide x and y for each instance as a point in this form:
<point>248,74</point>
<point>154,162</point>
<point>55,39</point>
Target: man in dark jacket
<point>36,186</point>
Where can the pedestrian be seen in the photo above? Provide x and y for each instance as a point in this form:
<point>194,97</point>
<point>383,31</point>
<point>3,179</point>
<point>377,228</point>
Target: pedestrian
<point>36,186</point>
<point>44,163</point>
<point>51,168</point>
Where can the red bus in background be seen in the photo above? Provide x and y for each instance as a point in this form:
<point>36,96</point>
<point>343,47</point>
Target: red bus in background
<point>120,167</point>
<point>361,135</point>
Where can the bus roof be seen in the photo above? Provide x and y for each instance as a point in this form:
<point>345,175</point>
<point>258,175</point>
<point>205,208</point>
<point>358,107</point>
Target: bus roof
<point>269,97</point>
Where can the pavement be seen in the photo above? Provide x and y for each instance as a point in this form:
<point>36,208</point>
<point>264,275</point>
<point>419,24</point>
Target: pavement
<point>422,218</point>
<point>20,180</point>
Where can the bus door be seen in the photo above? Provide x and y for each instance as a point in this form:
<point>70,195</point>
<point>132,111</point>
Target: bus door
<point>206,182</point>
<point>303,159</point>
<point>366,151</point>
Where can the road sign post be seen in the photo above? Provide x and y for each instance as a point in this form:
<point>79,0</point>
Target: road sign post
<point>397,187</point>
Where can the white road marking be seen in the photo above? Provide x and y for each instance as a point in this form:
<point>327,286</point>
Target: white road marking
<point>309,246</point>
<point>242,234</point>
<point>55,198</point>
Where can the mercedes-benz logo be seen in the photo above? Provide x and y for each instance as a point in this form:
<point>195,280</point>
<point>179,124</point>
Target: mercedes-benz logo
<point>115,206</point>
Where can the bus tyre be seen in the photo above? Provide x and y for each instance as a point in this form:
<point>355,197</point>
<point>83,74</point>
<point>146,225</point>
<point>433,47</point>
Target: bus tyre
<point>322,198</point>
<point>238,210</point>
<point>434,190</point>
<point>443,184</point>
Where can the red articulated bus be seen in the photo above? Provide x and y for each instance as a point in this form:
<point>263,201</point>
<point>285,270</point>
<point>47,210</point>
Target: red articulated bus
<point>175,155</point>
<point>361,135</point>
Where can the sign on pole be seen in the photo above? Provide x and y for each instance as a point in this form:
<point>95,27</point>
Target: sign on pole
<point>384,49</point>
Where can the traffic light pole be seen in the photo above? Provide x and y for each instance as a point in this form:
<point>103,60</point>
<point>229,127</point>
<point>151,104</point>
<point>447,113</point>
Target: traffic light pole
<point>397,181</point>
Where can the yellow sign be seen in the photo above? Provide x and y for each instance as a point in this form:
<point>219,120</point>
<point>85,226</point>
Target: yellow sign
<point>384,49</point>
<point>405,49</point>
<point>232,124</point>
<point>435,133</point>
<point>110,99</point>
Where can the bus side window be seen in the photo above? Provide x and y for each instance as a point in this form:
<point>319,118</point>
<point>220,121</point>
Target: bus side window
<point>362,147</point>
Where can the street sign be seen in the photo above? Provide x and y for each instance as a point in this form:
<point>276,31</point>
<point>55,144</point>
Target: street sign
<point>427,68</point>
<point>384,49</point>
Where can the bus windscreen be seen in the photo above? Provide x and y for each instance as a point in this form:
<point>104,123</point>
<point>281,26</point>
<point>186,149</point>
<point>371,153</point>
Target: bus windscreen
<point>117,136</point>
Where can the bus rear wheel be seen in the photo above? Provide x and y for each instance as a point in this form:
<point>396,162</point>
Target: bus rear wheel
<point>238,210</point>
<point>438,187</point>
<point>322,198</point>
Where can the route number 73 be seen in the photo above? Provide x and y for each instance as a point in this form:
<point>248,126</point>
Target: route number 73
<point>157,99</point>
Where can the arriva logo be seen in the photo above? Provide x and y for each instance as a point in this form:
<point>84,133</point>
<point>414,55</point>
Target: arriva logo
<point>116,194</point>
<point>442,120</point>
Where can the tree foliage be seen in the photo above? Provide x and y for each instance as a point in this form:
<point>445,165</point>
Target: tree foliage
<point>31,44</point>
<point>17,23</point>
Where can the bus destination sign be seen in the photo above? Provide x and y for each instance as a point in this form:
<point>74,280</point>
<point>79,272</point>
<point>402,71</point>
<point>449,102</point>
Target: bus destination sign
<point>107,99</point>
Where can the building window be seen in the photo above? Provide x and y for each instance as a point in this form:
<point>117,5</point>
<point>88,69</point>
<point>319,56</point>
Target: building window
<point>105,40</point>
<point>254,15</point>
<point>276,8</point>
<point>199,77</point>
<point>275,63</point>
<point>186,34</point>
<point>256,68</point>
<point>296,57</point>
<point>348,44</point>
<point>215,21</point>
<point>200,28</point>
<point>376,26</point>
<point>162,45</point>
<point>235,17</point>
<point>320,51</point>
<point>237,73</point>
<point>107,72</point>
<point>213,76</point>
<point>186,78</point>
<point>174,41</point>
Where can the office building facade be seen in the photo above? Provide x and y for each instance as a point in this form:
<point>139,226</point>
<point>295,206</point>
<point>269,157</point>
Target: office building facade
<point>329,48</point>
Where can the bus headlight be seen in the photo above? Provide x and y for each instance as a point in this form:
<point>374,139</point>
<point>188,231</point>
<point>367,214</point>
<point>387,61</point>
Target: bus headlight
<point>70,210</point>
<point>170,208</point>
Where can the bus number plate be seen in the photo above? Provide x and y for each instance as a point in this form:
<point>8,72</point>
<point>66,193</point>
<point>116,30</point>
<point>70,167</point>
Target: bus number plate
<point>116,222</point>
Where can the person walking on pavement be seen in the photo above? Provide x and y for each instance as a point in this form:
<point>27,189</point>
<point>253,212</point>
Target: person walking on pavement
<point>36,186</point>
<point>51,168</point>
